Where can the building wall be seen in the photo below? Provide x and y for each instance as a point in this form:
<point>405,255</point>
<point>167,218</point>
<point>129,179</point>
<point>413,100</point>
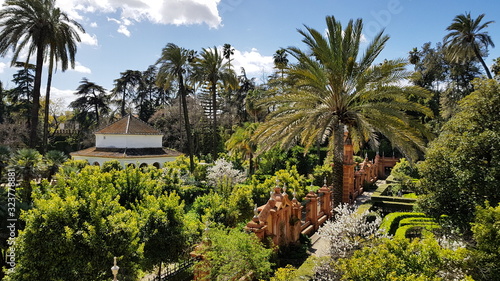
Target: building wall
<point>157,161</point>
<point>128,141</point>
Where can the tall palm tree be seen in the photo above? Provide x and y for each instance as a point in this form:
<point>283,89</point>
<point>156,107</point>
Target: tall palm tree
<point>127,85</point>
<point>338,90</point>
<point>26,25</point>
<point>211,68</point>
<point>228,51</point>
<point>174,67</point>
<point>467,39</point>
<point>62,46</point>
<point>281,60</point>
<point>93,97</point>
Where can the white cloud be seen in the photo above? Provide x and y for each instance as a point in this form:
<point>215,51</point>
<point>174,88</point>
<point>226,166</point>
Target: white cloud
<point>61,96</point>
<point>123,30</point>
<point>176,12</point>
<point>80,68</point>
<point>2,67</point>
<point>88,39</point>
<point>93,24</point>
<point>255,64</point>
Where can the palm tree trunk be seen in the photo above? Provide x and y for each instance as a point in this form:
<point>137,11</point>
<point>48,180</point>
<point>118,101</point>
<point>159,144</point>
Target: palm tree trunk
<point>338,161</point>
<point>478,55</point>
<point>214,117</point>
<point>35,107</point>
<point>187,125</point>
<point>47,103</point>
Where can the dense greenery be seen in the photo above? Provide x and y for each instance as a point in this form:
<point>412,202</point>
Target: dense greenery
<point>462,165</point>
<point>241,140</point>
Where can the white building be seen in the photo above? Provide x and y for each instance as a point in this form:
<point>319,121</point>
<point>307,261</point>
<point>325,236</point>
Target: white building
<point>130,141</point>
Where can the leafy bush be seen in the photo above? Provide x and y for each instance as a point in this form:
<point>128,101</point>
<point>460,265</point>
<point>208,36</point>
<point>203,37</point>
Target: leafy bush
<point>406,174</point>
<point>229,254</point>
<point>486,233</point>
<point>402,259</point>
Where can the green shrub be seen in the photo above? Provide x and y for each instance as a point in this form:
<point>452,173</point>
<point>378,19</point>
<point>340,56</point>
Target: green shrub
<point>423,229</point>
<point>390,223</point>
<point>417,221</point>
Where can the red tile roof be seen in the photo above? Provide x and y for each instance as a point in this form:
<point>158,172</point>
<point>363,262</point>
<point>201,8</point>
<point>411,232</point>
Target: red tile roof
<point>129,125</point>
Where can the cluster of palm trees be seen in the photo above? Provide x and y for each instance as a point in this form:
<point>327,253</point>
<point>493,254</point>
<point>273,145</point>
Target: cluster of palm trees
<point>39,27</point>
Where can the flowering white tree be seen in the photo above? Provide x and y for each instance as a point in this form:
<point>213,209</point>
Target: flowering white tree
<point>223,176</point>
<point>349,230</point>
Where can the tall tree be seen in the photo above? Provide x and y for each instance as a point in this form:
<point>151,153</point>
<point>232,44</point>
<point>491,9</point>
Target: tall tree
<point>61,43</point>
<point>211,68</point>
<point>467,39</point>
<point>26,25</point>
<point>127,86</point>
<point>93,97</point>
<point>228,51</point>
<point>336,89</point>
<point>174,66</point>
<point>280,60</point>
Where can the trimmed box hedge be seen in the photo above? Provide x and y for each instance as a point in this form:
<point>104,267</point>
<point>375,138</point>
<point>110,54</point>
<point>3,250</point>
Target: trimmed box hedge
<point>390,223</point>
<point>425,229</point>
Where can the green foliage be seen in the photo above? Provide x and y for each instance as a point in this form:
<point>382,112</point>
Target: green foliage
<point>230,254</point>
<point>416,221</point>
<point>27,163</point>
<point>163,229</point>
<point>228,211</point>
<point>390,223</point>
<point>486,233</point>
<point>405,173</point>
<point>74,235</point>
<point>289,177</point>
<point>111,165</point>
<point>402,259</point>
<point>462,166</point>
<point>284,273</point>
<point>417,230</point>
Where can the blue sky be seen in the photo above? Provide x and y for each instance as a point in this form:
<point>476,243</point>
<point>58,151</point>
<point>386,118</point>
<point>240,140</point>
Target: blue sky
<point>130,34</point>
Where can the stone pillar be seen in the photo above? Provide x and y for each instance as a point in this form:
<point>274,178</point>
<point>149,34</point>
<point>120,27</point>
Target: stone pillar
<point>326,201</point>
<point>312,206</point>
<point>295,219</point>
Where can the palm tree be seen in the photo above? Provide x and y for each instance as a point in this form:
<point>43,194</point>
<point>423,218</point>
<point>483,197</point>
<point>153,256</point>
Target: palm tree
<point>241,141</point>
<point>337,90</point>
<point>93,97</point>
<point>27,164</point>
<point>211,68</point>
<point>228,51</point>
<point>467,39</point>
<point>26,24</point>
<point>127,86</point>
<point>174,66</point>
<point>61,43</point>
<point>54,159</point>
<point>280,60</point>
